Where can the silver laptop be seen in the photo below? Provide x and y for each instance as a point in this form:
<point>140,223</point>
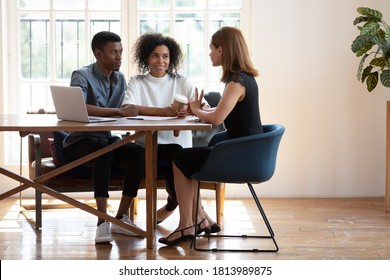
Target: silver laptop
<point>70,106</point>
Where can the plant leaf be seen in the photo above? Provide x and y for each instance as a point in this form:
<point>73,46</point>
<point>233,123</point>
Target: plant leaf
<point>362,44</point>
<point>365,11</point>
<point>371,27</point>
<point>387,36</point>
<point>366,72</point>
<point>372,81</point>
<point>385,78</point>
<point>378,61</point>
<point>363,19</point>
<point>380,40</point>
<point>360,68</point>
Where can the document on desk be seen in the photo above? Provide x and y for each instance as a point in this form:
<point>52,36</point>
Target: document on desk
<point>159,118</point>
<point>150,118</point>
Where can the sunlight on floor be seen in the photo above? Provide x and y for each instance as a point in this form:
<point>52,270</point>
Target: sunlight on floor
<point>235,210</point>
<point>10,226</point>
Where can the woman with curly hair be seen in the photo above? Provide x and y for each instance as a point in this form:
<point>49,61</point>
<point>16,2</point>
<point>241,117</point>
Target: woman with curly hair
<point>158,58</point>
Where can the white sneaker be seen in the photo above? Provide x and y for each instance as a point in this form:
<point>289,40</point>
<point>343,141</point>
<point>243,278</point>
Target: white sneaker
<point>121,230</point>
<point>103,233</point>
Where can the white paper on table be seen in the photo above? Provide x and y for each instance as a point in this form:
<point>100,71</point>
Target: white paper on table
<point>150,118</point>
<point>158,118</point>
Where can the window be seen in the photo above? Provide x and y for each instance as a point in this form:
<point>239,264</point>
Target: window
<point>191,23</point>
<point>52,38</point>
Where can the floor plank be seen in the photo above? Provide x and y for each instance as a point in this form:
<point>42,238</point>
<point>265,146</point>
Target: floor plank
<point>305,229</point>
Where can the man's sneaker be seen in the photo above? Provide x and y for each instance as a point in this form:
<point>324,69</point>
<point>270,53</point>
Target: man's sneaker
<point>103,233</point>
<point>121,230</point>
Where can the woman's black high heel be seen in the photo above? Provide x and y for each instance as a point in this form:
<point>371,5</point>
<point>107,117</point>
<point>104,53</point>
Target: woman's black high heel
<point>206,230</point>
<point>215,228</point>
<point>182,238</point>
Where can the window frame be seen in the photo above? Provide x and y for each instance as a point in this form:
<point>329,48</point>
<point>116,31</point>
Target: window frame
<point>9,49</point>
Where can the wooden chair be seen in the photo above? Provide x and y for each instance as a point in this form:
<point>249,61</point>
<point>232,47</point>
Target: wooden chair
<point>219,189</point>
<point>41,161</point>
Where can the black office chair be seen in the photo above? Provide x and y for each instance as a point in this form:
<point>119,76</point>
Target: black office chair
<point>249,160</point>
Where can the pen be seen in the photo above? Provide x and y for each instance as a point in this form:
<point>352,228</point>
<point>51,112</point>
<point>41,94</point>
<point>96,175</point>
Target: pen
<point>140,119</point>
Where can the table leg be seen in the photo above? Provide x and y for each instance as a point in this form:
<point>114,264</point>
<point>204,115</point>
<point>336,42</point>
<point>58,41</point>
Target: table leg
<point>150,186</point>
<point>69,200</point>
<point>387,191</point>
<point>37,183</point>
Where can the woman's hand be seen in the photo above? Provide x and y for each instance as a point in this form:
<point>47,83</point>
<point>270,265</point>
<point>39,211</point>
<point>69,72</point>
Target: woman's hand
<point>196,104</point>
<point>168,112</point>
<point>183,112</point>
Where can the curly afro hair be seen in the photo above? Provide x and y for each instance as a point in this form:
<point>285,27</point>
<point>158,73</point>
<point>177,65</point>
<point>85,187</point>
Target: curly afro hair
<point>147,42</point>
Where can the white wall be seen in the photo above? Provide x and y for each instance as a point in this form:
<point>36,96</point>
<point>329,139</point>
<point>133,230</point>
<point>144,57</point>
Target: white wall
<point>334,145</point>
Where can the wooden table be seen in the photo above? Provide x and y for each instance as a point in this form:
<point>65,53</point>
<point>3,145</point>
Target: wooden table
<point>25,124</point>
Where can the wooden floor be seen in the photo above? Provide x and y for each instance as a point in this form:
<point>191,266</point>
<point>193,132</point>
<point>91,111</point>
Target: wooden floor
<point>355,229</point>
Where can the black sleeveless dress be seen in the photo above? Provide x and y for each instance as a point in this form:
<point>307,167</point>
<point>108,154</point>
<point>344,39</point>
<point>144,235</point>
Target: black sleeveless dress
<point>243,120</point>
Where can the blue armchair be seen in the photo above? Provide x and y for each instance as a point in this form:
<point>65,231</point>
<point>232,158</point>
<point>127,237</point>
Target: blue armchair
<point>249,160</point>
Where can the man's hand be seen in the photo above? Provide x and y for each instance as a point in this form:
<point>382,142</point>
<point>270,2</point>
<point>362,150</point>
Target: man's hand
<point>128,110</point>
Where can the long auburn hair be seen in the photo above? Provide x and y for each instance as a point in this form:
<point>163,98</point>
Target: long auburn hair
<point>235,53</point>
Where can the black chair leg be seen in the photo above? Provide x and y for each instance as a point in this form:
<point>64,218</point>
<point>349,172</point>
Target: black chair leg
<point>265,219</point>
<point>261,210</point>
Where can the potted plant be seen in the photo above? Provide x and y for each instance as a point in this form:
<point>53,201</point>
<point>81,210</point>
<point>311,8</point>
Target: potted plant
<point>374,33</point>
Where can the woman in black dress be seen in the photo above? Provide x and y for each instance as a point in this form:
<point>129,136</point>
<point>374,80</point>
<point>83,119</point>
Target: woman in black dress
<point>238,109</point>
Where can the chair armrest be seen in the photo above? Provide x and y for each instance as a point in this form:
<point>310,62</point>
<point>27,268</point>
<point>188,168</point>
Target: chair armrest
<point>35,155</point>
<point>219,137</point>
